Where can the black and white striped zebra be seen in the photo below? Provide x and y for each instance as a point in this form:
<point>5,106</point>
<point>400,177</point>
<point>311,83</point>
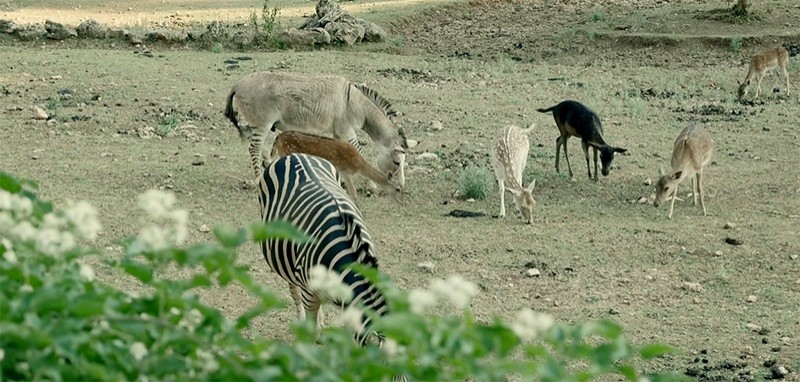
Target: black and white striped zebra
<point>306,191</point>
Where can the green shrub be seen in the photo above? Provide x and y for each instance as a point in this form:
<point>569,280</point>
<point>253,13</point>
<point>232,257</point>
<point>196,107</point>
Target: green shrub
<point>60,323</point>
<point>598,16</point>
<point>264,27</point>
<point>736,43</point>
<point>167,124</point>
<point>475,182</point>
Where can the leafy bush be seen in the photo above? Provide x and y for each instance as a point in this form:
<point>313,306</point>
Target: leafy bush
<point>60,323</point>
<point>264,27</point>
<point>475,182</point>
<point>736,43</point>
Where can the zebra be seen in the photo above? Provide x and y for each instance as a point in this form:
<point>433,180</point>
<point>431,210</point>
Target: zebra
<point>306,191</point>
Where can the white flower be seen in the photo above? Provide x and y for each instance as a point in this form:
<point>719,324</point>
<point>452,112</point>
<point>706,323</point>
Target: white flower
<point>21,205</point>
<point>155,237</point>
<point>351,318</point>
<point>420,299</point>
<point>530,324</point>
<point>51,220</point>
<point>5,200</point>
<point>328,283</point>
<point>391,348</point>
<point>2,354</point>
<point>456,289</point>
<point>24,231</point>
<point>156,203</point>
<point>138,351</point>
<point>83,218</point>
<point>26,288</point>
<point>54,242</point>
<point>174,311</point>
<point>210,363</point>
<point>103,324</point>
<point>86,272</point>
<point>180,219</point>
<point>10,256</point>
<point>6,221</point>
<point>643,379</point>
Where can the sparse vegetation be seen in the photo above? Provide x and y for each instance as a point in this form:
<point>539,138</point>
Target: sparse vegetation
<point>265,26</point>
<point>736,43</point>
<point>475,182</point>
<point>54,104</point>
<point>217,47</point>
<point>167,124</point>
<point>598,16</point>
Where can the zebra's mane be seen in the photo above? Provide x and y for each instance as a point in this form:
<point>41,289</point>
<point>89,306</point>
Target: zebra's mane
<point>377,99</point>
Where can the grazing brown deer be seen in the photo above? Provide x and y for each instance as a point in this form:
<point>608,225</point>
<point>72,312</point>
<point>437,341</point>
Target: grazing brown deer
<point>509,159</point>
<point>773,59</point>
<point>576,120</point>
<point>344,156</point>
<point>692,151</point>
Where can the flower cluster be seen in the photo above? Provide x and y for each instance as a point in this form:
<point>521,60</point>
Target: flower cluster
<point>530,324</point>
<point>329,284</point>
<point>455,289</point>
<point>167,226</point>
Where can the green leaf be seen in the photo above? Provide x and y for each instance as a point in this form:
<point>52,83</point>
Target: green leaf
<point>229,237</point>
<point>143,272</point>
<point>655,350</point>
<point>278,230</point>
<point>9,183</point>
<point>88,307</point>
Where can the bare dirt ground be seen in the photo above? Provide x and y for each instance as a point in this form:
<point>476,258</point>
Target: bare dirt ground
<point>732,310</point>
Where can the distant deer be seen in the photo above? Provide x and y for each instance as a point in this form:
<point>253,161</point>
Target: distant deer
<point>344,156</point>
<point>509,159</point>
<point>576,120</point>
<point>692,151</point>
<point>773,59</point>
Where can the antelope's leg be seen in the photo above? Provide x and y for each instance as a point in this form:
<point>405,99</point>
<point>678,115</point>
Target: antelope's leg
<point>672,203</point>
<point>595,163</point>
<point>566,156</point>
<point>585,147</point>
<point>700,190</point>
<point>786,74</point>
<point>758,89</point>
<point>351,189</point>
<point>255,147</point>
<point>694,193</point>
<point>502,187</point>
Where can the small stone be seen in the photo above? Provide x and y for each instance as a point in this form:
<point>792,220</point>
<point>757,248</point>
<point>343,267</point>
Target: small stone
<point>648,182</point>
<point>39,114</point>
<point>642,200</point>
<point>436,126</point>
<point>753,327</point>
<point>204,229</point>
<point>533,272</point>
<point>694,287</point>
<point>199,160</point>
<point>793,257</point>
<point>427,157</point>
<point>776,349</point>
<point>733,241</point>
<point>729,225</point>
<point>765,340</point>
<point>752,298</point>
<point>471,200</point>
<point>779,372</point>
<point>785,340</point>
<point>427,266</point>
<point>613,311</point>
<point>697,301</point>
<point>718,253</point>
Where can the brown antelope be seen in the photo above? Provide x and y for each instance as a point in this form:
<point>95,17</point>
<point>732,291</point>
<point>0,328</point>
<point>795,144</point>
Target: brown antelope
<point>509,159</point>
<point>576,120</point>
<point>773,59</point>
<point>315,104</point>
<point>344,157</point>
<point>692,151</point>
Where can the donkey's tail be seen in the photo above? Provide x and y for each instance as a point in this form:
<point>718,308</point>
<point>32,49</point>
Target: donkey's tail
<point>231,114</point>
<point>549,109</point>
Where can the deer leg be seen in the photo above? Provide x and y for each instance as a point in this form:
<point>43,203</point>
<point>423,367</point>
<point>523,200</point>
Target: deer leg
<point>694,193</point>
<point>558,152</point>
<point>566,157</point>
<point>595,163</point>
<point>758,88</point>
<point>585,147</point>
<point>672,203</point>
<point>351,189</point>
<point>502,186</point>
<point>700,190</point>
<point>298,301</point>
<point>786,74</point>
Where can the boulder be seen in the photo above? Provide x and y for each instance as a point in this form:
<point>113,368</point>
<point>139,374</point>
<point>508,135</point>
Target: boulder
<point>57,31</point>
<point>29,32</point>
<point>215,32</point>
<point>373,32</point>
<point>308,37</point>
<point>92,29</point>
<point>7,26</point>
<point>242,39</point>
<point>345,33</point>
<point>167,36</point>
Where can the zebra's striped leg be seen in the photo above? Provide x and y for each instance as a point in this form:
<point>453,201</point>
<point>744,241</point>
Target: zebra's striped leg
<point>313,307</point>
<point>298,301</point>
<point>255,147</point>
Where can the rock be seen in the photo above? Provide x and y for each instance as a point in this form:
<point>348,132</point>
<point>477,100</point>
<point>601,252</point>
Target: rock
<point>204,229</point>
<point>729,225</point>
<point>57,31</point>
<point>648,182</point>
<point>779,372</point>
<point>215,32</point>
<point>307,37</point>
<point>427,157</point>
<point>29,32</point>
<point>717,253</point>
<point>373,32</point>
<point>427,266</point>
<point>694,287</point>
<point>613,311</point>
<point>436,126</point>
<point>642,200</point>
<point>733,241</point>
<point>793,257</point>
<point>753,327</point>
<point>752,298</point>
<point>345,33</point>
<point>167,35</point>
<point>533,272</point>
<point>242,39</point>
<point>146,132</point>
<point>134,38</point>
<point>199,160</point>
<point>39,114</point>
<point>7,26</point>
<point>92,29</point>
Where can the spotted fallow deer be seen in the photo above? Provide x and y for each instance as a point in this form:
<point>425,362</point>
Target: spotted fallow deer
<point>576,120</point>
<point>692,152</point>
<point>773,59</point>
<point>509,159</point>
<point>344,156</point>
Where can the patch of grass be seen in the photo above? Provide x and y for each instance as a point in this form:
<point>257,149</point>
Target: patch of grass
<point>217,48</point>
<point>736,43</point>
<point>264,27</point>
<point>54,104</point>
<point>598,16</point>
<point>475,182</point>
<point>167,125</point>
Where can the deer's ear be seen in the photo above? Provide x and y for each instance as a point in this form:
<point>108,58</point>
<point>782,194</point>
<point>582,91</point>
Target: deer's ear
<point>677,175</point>
<point>662,171</point>
<point>532,186</point>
